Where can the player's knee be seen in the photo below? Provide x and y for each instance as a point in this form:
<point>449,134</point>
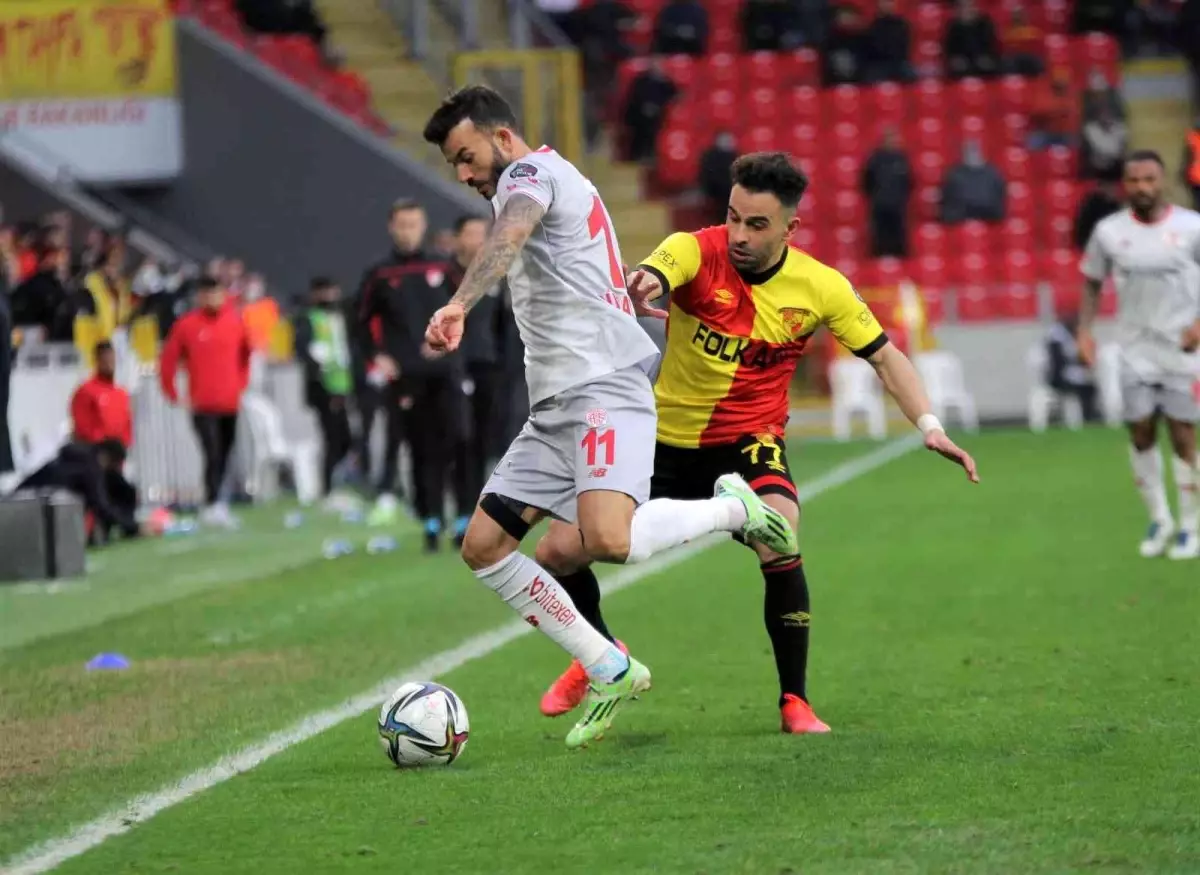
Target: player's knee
<point>606,542</point>
<point>559,556</point>
<point>484,543</point>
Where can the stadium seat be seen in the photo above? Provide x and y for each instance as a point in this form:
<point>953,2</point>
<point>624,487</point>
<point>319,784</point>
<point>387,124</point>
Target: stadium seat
<point>1015,130</point>
<point>976,303</point>
<point>801,67</point>
<point>1056,50</point>
<point>1097,50</point>
<point>803,106</point>
<point>681,69</point>
<point>1017,235</point>
<point>724,38</point>
<point>1057,162</point>
<point>971,128</point>
<point>762,70</point>
<point>929,136</point>
<point>1020,201</point>
<point>928,205</point>
<point>970,97</point>
<point>846,173</point>
<point>935,306</point>
<point>930,239</point>
<point>802,140</point>
<point>946,385</point>
<point>886,104</point>
<point>720,71</point>
<point>971,238</point>
<point>849,210</point>
<point>929,22</point>
<point>1014,163</point>
<point>889,272</point>
<point>929,271</point>
<point>846,245</point>
<point>1013,92</point>
<point>842,105</point>
<point>855,388</point>
<point>929,99</point>
<point>722,110</point>
<point>929,168</point>
<point>678,160</point>
<point>969,269</point>
<point>1059,268</point>
<point>760,138</point>
<point>762,108</point>
<point>805,239</point>
<point>848,140</point>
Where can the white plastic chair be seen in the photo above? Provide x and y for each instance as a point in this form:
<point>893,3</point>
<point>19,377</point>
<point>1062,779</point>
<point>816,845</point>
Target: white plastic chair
<point>942,373</point>
<point>1108,381</point>
<point>1043,400</point>
<point>856,388</point>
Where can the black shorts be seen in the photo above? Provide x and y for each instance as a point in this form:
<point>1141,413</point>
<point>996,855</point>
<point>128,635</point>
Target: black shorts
<point>689,473</point>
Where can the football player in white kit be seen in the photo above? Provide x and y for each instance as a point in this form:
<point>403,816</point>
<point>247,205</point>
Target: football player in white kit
<point>1152,252</point>
<point>586,454</point>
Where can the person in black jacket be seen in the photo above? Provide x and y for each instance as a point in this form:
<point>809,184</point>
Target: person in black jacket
<point>423,394</point>
<point>323,346</point>
<point>87,471</point>
<point>483,350</point>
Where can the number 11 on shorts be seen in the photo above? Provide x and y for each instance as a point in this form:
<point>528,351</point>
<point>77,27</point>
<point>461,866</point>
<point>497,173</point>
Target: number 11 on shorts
<point>594,441</point>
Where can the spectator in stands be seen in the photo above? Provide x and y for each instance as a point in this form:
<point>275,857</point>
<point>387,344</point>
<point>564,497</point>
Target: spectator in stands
<point>715,179</point>
<point>323,345</point>
<point>283,17</point>
<point>1054,115</point>
<point>6,356</point>
<point>1105,16</point>
<point>887,184</point>
<point>1100,96</point>
<point>887,46</point>
<point>234,278</point>
<point>973,190</point>
<point>29,249</point>
<point>260,313</point>
<point>1105,140</point>
<point>161,293</point>
<point>212,345</point>
<point>770,26</point>
<point>1065,372</point>
<point>45,300</point>
<point>100,409</point>
<point>111,292</point>
<point>844,53</point>
<point>1023,42</point>
<point>10,262</point>
<point>1100,202</point>
<point>650,93</point>
<point>681,28</point>
<point>89,471</point>
<point>92,256</point>
<point>970,46</point>
<point>443,243</point>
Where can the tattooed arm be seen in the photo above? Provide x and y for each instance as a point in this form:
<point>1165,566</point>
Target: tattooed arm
<point>511,229</point>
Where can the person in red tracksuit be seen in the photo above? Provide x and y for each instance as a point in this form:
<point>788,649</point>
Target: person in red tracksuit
<point>100,408</point>
<point>212,344</point>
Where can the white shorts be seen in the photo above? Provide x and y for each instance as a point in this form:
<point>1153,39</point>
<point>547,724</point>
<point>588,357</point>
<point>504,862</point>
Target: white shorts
<point>1171,395</point>
<point>598,435</point>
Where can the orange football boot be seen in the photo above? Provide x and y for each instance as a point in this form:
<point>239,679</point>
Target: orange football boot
<point>568,691</point>
<point>798,717</point>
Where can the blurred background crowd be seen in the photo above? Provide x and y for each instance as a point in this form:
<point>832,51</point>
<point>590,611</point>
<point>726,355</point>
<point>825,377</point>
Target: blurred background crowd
<point>215,275</point>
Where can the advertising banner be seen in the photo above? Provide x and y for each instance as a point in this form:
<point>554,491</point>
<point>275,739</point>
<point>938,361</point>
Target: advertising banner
<point>91,84</point>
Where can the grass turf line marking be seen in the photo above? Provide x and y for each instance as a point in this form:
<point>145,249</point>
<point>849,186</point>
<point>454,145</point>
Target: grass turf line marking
<point>46,856</point>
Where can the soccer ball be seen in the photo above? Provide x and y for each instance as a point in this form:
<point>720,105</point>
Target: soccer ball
<point>423,724</point>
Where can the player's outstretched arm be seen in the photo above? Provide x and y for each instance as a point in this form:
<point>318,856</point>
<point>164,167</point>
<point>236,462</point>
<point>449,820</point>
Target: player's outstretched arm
<point>903,383</point>
<point>509,232</point>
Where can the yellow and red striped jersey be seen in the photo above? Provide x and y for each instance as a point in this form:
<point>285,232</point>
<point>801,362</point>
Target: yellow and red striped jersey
<point>733,340</point>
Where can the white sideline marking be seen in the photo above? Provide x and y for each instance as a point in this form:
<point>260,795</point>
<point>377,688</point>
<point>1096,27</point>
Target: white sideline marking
<point>44,857</point>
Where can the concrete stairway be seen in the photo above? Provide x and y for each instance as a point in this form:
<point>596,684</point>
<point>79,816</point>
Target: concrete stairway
<point>1160,117</point>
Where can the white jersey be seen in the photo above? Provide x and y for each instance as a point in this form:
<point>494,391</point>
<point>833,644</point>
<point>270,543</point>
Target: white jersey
<point>568,284</point>
<point>1156,272</point>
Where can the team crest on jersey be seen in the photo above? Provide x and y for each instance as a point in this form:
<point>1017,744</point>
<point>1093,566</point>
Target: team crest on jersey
<point>596,417</point>
<point>793,319</point>
<point>434,277</point>
<point>524,171</point>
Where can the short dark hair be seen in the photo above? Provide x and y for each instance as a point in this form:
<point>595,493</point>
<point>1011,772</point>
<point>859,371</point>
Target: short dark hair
<point>772,172</point>
<point>208,283</point>
<point>403,205</point>
<point>462,222</point>
<point>103,346</point>
<point>1145,155</point>
<point>320,283</point>
<point>482,105</point>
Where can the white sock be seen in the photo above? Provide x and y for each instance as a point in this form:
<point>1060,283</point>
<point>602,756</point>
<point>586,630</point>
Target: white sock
<point>545,605</point>
<point>665,522</point>
<point>1185,483</point>
<point>1148,474</point>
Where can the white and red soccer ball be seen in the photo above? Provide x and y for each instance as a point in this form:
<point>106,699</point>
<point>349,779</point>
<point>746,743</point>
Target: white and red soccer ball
<point>423,724</point>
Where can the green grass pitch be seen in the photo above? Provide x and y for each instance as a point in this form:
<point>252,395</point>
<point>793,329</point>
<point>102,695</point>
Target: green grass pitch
<point>1011,690</point>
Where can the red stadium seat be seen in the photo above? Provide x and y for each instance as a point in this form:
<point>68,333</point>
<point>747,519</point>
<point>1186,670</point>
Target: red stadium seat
<point>929,168</point>
<point>762,108</point>
<point>976,303</point>
<point>929,272</point>
<point>1014,164</point>
<point>1057,52</point>
<point>1017,235</point>
<point>846,174</point>
<point>930,239</point>
<point>801,67</point>
<point>845,244</point>
<point>843,104</point>
<point>970,238</point>
<point>724,38</point>
<point>1020,201</point>
<point>969,128</point>
<point>805,239</point>
<point>927,58</point>
<point>626,73</point>
<point>885,104</point>
<point>1013,92</point>
<point>847,267</point>
<point>641,34</point>
<point>1018,302</point>
<point>1057,162</point>
<point>678,160</point>
<point>848,139</point>
<point>929,136</point>
<point>681,69</point>
<point>1059,269</point>
<point>1057,231</point>
<point>1097,50</point>
<point>929,21</point>
<point>1055,15</point>
<point>1019,269</point>
<point>889,272</point>
<point>722,111</point>
<point>802,140</point>
<point>970,97</point>
<point>720,71</point>
<point>763,70</point>
<point>928,203</point>
<point>969,269</point>
<point>1016,129</point>
<point>803,106</point>
<point>929,99</point>
<point>849,210</point>
<point>760,138</point>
